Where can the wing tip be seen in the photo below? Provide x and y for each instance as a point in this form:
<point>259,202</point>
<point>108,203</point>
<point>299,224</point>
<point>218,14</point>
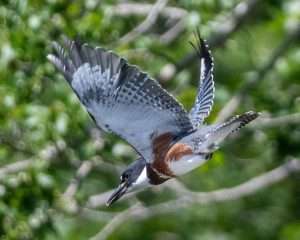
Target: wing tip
<point>201,46</point>
<point>50,57</point>
<point>206,86</point>
<point>55,61</point>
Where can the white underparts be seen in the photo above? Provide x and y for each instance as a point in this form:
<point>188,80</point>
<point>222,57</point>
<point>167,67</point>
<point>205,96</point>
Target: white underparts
<point>186,164</point>
<point>142,180</point>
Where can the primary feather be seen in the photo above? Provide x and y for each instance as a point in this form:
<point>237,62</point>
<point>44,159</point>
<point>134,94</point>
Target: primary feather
<point>205,96</point>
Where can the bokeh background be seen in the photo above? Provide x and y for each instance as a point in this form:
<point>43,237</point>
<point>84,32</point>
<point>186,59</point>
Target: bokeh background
<point>56,168</point>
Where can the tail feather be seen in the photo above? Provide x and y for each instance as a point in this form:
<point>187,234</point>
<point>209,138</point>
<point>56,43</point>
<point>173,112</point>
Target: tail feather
<point>239,120</point>
<point>219,132</point>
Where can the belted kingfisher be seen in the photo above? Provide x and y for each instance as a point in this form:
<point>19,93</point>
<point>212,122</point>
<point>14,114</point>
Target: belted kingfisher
<point>124,100</point>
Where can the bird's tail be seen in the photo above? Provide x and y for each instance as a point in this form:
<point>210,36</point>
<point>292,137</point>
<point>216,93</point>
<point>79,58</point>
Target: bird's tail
<point>220,131</point>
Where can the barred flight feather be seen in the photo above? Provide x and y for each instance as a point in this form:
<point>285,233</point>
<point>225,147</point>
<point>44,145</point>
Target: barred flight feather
<point>204,100</point>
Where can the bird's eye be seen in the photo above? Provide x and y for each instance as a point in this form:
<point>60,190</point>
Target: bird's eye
<point>124,177</point>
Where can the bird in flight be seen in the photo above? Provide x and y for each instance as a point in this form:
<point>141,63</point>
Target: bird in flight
<point>123,100</point>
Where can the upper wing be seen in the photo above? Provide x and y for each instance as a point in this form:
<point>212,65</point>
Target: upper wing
<point>205,96</point>
<point>119,97</point>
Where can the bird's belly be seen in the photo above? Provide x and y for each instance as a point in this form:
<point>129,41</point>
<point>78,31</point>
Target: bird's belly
<point>186,163</point>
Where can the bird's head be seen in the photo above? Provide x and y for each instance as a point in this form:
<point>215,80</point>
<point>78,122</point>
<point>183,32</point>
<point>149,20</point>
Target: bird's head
<point>132,179</point>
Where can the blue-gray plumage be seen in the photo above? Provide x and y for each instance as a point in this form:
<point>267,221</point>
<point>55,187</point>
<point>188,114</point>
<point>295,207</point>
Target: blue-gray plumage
<point>205,97</point>
<point>119,97</point>
<point>126,101</point>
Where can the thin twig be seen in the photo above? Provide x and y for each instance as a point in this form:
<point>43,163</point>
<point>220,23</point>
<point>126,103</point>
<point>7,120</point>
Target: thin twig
<point>81,173</point>
<point>49,154</point>
<point>266,122</point>
<point>15,167</point>
<point>225,29</point>
<point>170,35</point>
<point>141,9</point>
<point>99,200</point>
<point>116,221</point>
<point>235,101</point>
<point>146,24</point>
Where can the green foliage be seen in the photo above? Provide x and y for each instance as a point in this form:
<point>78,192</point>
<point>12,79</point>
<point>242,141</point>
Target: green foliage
<point>39,111</point>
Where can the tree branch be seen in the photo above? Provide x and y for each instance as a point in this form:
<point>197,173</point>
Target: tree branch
<point>225,29</point>
<point>116,221</point>
<point>49,153</point>
<point>235,101</point>
<point>141,9</point>
<point>15,167</point>
<point>170,35</point>
<point>81,173</point>
<point>99,200</point>
<point>247,188</point>
<point>267,122</point>
<point>146,24</point>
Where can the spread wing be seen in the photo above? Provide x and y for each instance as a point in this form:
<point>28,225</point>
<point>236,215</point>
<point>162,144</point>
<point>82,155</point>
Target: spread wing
<point>205,96</point>
<point>119,97</point>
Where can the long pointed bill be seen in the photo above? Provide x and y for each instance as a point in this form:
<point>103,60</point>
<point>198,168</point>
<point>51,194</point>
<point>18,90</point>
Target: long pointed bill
<point>118,193</point>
